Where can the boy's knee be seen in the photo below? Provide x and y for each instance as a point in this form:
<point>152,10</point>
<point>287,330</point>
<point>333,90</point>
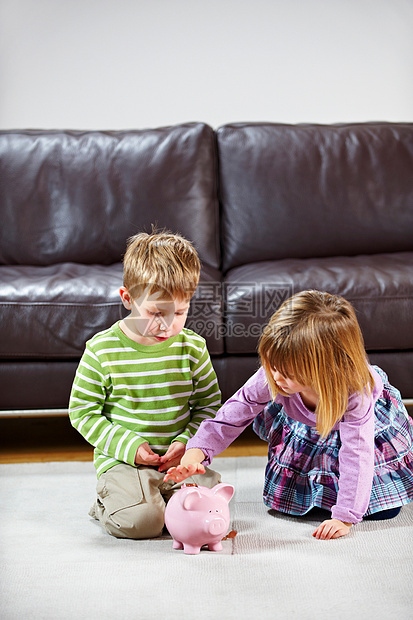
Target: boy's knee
<point>140,521</point>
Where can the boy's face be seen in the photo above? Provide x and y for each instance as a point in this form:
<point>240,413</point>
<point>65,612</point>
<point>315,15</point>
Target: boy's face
<point>153,319</point>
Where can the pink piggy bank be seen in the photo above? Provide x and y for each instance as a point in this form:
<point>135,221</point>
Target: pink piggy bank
<point>197,516</point>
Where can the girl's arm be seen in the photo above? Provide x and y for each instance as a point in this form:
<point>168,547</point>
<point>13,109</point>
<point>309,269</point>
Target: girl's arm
<point>214,435</point>
<point>356,464</point>
<point>356,458</point>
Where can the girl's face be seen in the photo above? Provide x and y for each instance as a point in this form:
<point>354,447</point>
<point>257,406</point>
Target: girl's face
<point>291,386</point>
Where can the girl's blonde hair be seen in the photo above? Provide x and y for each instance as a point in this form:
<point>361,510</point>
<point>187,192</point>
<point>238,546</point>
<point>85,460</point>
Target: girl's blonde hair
<point>315,339</point>
<point>161,262</point>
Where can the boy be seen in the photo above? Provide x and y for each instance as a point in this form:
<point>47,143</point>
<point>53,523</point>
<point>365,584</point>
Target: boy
<point>143,387</point>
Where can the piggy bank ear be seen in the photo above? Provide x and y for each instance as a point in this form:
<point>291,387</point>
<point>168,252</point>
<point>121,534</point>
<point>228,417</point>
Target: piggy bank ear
<point>225,490</point>
<point>191,499</point>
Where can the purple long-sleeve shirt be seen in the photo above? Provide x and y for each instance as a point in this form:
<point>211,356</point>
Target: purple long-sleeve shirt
<point>356,428</point>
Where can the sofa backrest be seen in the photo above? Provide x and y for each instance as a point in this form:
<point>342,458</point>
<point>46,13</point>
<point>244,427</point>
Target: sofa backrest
<point>76,196</point>
<point>298,191</point>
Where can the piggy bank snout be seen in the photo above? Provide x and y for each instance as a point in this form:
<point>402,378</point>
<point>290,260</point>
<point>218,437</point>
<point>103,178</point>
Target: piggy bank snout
<point>217,526</point>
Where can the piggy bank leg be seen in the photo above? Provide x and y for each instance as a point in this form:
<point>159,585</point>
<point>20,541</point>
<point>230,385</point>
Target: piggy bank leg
<point>177,545</point>
<point>217,546</point>
<point>191,549</point>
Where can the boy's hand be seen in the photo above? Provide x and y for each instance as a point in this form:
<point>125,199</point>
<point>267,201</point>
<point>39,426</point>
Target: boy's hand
<point>331,528</point>
<point>177,474</point>
<point>172,456</point>
<point>145,456</point>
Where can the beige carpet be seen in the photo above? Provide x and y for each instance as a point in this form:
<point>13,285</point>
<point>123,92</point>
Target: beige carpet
<point>57,564</point>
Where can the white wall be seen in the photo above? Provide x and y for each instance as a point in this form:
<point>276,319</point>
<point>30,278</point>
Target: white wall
<point>119,64</point>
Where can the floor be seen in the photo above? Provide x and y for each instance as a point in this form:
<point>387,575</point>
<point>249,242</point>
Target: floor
<point>54,439</point>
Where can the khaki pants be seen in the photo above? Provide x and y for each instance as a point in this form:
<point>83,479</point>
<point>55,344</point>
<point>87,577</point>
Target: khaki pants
<point>131,500</point>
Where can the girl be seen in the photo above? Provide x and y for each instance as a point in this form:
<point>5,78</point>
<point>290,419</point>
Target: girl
<point>339,435</point>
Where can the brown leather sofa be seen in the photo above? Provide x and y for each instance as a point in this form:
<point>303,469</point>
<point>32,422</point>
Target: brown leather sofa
<point>272,209</point>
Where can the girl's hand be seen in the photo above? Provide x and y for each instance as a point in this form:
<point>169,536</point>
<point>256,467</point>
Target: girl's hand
<point>172,456</point>
<point>332,528</point>
<point>190,465</point>
<point>177,474</point>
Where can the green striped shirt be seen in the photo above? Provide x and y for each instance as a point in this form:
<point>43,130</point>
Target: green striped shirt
<point>125,394</point>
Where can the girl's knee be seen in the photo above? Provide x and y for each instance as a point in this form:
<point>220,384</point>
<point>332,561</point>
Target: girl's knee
<point>139,521</point>
<point>383,515</point>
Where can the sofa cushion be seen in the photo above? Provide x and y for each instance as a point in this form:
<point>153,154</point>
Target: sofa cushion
<point>304,191</point>
<point>36,384</point>
<point>380,287</point>
<point>50,312</point>
<point>76,196</point>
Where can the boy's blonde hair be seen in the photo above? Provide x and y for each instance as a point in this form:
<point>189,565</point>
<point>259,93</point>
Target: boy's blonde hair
<point>315,339</point>
<point>161,262</point>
